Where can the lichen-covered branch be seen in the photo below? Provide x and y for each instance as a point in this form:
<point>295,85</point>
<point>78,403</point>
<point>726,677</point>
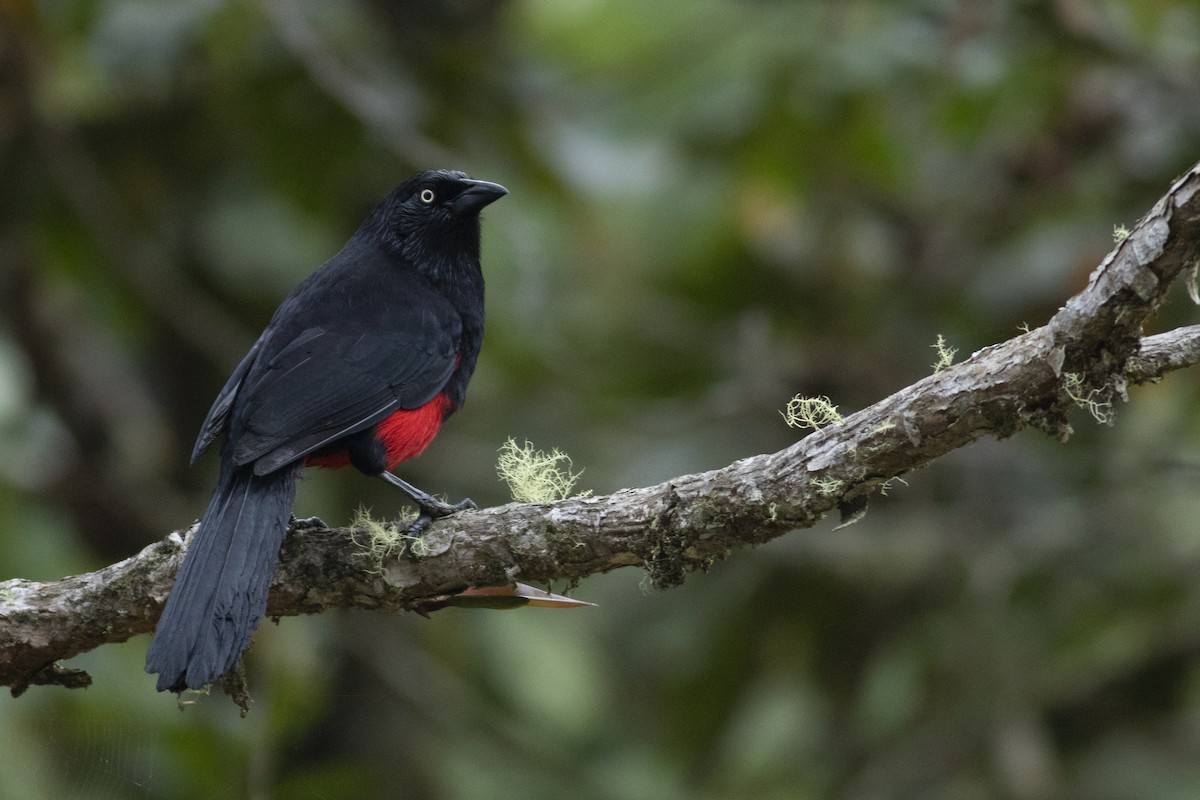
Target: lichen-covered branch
<point>1085,355</point>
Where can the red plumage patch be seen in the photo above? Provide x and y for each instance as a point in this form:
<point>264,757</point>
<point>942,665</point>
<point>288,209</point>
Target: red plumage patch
<point>405,434</point>
<point>409,431</point>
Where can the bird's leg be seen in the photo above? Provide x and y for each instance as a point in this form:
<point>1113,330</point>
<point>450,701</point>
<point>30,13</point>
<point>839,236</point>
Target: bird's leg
<point>431,508</point>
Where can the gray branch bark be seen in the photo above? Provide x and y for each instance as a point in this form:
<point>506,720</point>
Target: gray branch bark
<point>1085,355</point>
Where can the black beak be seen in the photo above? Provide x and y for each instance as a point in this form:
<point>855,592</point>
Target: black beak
<point>475,196</point>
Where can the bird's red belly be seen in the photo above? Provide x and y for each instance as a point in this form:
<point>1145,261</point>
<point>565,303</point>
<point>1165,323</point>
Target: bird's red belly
<point>405,434</point>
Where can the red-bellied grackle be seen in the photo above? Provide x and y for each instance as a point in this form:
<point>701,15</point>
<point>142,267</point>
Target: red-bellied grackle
<point>360,365</point>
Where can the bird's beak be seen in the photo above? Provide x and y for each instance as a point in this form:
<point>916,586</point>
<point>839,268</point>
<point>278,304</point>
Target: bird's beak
<point>475,196</point>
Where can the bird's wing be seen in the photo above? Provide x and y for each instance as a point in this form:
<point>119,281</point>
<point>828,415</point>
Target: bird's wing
<point>344,375</point>
<point>214,424</point>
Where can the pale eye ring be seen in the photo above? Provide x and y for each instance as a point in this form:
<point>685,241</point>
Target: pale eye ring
<point>426,196</point>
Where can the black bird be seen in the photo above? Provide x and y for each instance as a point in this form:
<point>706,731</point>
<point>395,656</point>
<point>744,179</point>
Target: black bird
<point>360,365</point>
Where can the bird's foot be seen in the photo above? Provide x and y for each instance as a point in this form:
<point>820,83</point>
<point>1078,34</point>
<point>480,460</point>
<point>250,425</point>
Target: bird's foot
<point>429,506</point>
<point>300,523</point>
<point>433,509</point>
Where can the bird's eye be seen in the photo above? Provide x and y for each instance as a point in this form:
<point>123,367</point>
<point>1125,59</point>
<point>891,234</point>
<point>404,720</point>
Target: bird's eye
<point>427,196</point>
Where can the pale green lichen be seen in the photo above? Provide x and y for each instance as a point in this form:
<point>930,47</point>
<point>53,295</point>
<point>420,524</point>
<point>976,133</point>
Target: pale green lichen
<point>945,354</point>
<point>1094,401</point>
<point>811,412</point>
<point>384,539</point>
<point>827,486</point>
<point>534,476</point>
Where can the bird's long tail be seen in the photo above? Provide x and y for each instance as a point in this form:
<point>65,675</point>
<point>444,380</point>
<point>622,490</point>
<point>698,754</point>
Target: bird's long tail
<point>220,594</point>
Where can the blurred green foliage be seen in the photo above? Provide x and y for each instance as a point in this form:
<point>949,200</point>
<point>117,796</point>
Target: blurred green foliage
<point>715,206</point>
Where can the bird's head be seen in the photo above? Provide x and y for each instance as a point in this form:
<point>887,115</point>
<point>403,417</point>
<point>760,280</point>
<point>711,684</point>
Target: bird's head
<point>433,217</point>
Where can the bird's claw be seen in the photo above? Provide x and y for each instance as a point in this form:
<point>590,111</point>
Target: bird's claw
<point>299,523</point>
<point>466,504</point>
<point>432,508</point>
<point>431,511</point>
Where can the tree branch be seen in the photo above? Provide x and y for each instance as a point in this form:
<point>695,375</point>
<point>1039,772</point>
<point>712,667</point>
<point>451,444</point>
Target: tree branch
<point>1085,355</point>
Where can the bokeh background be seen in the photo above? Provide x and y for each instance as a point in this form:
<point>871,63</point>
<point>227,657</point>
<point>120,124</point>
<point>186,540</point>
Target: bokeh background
<point>714,205</point>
